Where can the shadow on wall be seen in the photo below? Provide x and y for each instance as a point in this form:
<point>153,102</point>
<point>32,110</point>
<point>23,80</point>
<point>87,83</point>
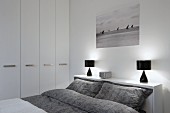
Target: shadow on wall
<point>159,74</point>
<point>166,99</point>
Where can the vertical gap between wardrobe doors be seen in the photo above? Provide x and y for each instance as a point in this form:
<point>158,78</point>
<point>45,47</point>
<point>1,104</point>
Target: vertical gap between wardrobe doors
<point>20,49</point>
<point>55,47</point>
<point>39,45</point>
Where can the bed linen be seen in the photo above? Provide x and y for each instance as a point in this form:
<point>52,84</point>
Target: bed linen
<point>69,101</point>
<point>18,106</point>
<point>128,95</point>
<point>89,88</point>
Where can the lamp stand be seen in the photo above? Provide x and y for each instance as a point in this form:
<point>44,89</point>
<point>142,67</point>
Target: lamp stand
<point>143,78</point>
<point>89,72</point>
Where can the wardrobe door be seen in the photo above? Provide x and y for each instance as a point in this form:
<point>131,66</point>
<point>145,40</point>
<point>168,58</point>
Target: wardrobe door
<point>62,43</point>
<point>29,47</point>
<point>47,45</point>
<point>9,49</point>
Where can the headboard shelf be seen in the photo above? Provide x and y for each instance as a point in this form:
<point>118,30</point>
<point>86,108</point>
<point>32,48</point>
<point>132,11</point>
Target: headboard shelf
<point>153,103</point>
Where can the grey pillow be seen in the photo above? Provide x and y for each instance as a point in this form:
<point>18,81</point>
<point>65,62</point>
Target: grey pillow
<point>131,96</point>
<point>89,88</point>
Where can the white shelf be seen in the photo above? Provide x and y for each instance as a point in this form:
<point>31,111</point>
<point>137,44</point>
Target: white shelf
<point>153,103</point>
<point>121,81</point>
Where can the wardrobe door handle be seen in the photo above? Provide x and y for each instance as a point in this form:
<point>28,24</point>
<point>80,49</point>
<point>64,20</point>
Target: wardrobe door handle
<point>48,64</point>
<point>62,64</point>
<point>6,66</point>
<point>29,65</point>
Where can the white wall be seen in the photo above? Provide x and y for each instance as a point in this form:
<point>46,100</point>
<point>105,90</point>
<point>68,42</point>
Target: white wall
<point>154,42</point>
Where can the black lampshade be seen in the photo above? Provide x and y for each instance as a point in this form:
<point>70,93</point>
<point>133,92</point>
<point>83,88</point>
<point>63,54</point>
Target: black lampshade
<point>89,63</point>
<point>144,65</point>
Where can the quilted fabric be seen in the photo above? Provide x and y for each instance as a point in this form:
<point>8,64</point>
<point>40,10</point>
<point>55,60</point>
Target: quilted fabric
<point>86,103</point>
<point>131,96</point>
<point>89,88</point>
<point>52,105</point>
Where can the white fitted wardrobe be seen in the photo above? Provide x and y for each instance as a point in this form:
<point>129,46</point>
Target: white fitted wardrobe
<point>34,46</point>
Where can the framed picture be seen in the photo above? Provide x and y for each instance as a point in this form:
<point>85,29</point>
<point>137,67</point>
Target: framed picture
<point>118,27</point>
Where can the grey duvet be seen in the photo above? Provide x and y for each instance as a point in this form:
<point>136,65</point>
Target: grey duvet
<point>69,101</point>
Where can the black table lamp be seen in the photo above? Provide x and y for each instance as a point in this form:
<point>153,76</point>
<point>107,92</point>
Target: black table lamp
<point>89,63</point>
<point>143,65</point>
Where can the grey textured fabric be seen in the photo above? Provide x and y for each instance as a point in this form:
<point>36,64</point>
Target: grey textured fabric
<point>86,103</point>
<point>69,101</point>
<point>131,96</point>
<point>51,105</point>
<point>85,87</point>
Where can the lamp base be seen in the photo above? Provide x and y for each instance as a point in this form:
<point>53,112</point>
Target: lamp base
<point>89,72</point>
<point>143,78</point>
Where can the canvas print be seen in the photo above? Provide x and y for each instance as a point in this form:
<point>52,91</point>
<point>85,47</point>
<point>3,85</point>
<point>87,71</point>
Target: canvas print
<point>118,27</point>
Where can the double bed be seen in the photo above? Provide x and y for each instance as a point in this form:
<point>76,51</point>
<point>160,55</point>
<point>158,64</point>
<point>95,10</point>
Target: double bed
<point>83,96</point>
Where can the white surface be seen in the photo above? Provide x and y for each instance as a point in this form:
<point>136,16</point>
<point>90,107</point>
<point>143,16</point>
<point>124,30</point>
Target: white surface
<point>29,47</point>
<point>154,42</point>
<point>9,48</point>
<point>44,40</point>
<point>153,103</point>
<point>122,81</point>
<point>18,106</point>
<point>47,45</point>
<point>62,43</point>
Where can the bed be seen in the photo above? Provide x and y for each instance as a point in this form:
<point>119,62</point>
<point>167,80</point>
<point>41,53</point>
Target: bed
<point>83,96</point>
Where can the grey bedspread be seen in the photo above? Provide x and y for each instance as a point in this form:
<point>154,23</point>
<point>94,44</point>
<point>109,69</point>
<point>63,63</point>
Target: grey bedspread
<point>69,101</point>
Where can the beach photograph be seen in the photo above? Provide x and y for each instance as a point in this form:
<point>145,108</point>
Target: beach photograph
<point>119,27</point>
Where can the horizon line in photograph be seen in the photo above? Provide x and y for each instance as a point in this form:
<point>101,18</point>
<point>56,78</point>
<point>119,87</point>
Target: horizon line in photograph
<point>118,27</point>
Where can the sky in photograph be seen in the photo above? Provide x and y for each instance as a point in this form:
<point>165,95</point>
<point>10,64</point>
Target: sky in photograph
<point>122,17</point>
